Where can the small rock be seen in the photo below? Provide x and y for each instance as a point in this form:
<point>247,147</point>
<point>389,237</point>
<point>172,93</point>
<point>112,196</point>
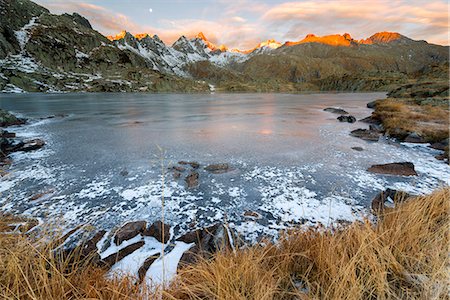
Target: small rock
<point>371,120</point>
<point>207,241</point>
<point>442,157</point>
<point>30,145</point>
<point>336,110</point>
<point>177,168</point>
<point>399,169</point>
<point>372,104</point>
<point>192,180</point>
<point>55,116</point>
<point>217,168</point>
<point>358,148</point>
<point>366,134</point>
<point>118,256</point>
<point>442,145</point>
<point>91,245</point>
<point>378,203</point>
<point>145,266</point>
<point>348,119</point>
<point>193,164</point>
<point>415,138</point>
<point>40,195</point>
<point>124,173</point>
<point>252,214</point>
<point>129,231</point>
<point>376,128</point>
<point>7,134</point>
<point>159,231</point>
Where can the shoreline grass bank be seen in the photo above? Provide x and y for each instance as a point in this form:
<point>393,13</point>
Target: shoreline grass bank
<point>401,255</point>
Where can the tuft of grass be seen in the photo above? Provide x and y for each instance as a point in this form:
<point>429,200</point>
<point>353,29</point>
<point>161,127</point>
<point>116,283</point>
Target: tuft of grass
<point>403,255</point>
<point>401,117</point>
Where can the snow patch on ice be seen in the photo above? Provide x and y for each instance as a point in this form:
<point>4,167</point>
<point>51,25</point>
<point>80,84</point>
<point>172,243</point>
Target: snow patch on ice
<point>164,268</point>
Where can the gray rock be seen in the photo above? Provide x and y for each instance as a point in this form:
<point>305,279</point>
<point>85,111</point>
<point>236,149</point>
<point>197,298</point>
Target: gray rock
<point>398,169</point>
<point>207,241</point>
<point>376,128</point>
<point>415,138</point>
<point>217,168</point>
<point>348,119</point>
<point>378,203</point>
<point>193,164</point>
<point>31,145</point>
<point>366,134</point>
<point>118,256</point>
<point>442,145</point>
<point>159,231</point>
<point>336,110</point>
<point>192,180</point>
<point>129,231</point>
<point>372,104</point>
<point>358,148</point>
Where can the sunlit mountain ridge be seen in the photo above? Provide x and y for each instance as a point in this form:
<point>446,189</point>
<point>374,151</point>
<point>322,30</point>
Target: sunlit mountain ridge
<point>332,40</point>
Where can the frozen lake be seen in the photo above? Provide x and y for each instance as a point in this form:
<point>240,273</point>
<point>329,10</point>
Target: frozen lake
<point>106,161</point>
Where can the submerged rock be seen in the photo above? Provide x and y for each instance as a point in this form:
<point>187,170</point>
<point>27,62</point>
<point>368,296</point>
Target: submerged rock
<point>336,110</point>
<point>415,138</point>
<point>358,148</point>
<point>192,180</point>
<point>348,119</point>
<point>398,169</point>
<point>159,231</point>
<point>217,168</point>
<point>177,168</point>
<point>129,231</point>
<point>366,134</point>
<point>193,164</point>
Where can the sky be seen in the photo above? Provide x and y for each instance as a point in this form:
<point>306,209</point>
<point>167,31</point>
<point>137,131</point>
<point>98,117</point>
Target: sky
<point>245,23</point>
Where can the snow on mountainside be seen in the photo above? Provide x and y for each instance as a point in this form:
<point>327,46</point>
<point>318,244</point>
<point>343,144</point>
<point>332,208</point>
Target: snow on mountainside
<point>173,59</point>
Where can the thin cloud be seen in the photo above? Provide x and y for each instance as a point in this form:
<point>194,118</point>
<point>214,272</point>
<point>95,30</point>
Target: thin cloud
<point>245,23</point>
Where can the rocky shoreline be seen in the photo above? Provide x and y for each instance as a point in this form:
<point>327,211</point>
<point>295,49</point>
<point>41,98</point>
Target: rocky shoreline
<point>107,248</point>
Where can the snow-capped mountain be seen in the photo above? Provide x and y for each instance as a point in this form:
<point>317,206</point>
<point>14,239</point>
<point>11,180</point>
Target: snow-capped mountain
<point>182,52</point>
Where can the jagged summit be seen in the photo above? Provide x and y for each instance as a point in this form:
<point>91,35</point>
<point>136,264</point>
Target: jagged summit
<point>201,36</point>
<point>271,44</point>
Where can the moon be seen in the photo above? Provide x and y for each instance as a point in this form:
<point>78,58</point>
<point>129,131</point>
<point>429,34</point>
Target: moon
<point>150,10</point>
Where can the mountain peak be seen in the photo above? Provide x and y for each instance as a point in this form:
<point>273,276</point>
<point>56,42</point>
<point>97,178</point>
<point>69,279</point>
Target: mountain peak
<point>384,37</point>
<point>201,36</point>
<point>118,36</point>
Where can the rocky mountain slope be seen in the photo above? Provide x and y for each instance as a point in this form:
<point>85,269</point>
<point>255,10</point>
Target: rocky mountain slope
<point>44,52</point>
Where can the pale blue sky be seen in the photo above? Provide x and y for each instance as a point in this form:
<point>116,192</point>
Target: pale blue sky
<point>244,23</point>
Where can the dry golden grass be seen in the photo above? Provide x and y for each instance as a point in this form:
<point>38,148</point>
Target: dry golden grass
<point>430,121</point>
<point>402,256</point>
